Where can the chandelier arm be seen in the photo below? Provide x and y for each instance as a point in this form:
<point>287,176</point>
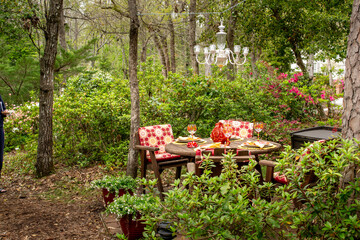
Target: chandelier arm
<point>231,57</point>
<point>239,64</point>
<point>197,59</point>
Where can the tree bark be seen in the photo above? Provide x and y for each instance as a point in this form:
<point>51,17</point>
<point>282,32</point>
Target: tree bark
<point>132,164</point>
<point>230,40</point>
<point>161,53</point>
<point>351,112</point>
<point>172,46</point>
<point>44,163</point>
<point>192,35</point>
<point>311,66</point>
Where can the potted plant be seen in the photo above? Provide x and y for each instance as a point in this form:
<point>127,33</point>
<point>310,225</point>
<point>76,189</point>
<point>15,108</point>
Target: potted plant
<point>129,209</point>
<point>111,185</point>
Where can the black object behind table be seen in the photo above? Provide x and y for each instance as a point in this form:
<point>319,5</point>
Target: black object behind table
<point>299,138</point>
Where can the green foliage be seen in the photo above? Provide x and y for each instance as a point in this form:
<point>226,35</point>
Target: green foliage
<point>132,205</point>
<point>96,107</point>
<point>329,209</point>
<point>233,205</point>
<point>21,126</point>
<point>114,183</point>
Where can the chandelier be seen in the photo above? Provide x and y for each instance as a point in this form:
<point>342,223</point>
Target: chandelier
<point>222,55</point>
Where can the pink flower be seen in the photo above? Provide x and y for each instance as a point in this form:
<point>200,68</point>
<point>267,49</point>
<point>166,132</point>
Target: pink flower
<point>251,73</point>
<point>331,98</point>
<point>322,96</point>
<point>9,94</point>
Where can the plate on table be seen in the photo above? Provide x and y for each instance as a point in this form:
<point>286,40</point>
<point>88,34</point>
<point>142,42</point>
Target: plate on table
<point>235,138</point>
<point>213,145</point>
<point>189,139</point>
<point>256,144</point>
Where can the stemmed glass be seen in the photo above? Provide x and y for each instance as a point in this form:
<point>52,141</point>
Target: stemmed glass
<point>228,130</point>
<point>191,128</point>
<point>258,126</point>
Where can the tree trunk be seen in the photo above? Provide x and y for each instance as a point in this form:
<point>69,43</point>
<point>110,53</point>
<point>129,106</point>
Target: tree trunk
<point>299,60</point>
<point>311,66</point>
<point>132,164</point>
<point>166,52</point>
<point>351,112</point>
<point>44,163</point>
<point>192,35</point>
<point>162,54</point>
<point>231,39</point>
<point>172,46</point>
<point>329,71</point>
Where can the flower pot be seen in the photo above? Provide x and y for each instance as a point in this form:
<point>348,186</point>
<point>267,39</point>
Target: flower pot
<point>109,196</point>
<point>132,229</point>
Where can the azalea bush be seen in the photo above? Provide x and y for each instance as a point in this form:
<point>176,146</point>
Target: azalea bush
<point>235,205</point>
<point>21,127</point>
<point>92,121</point>
<point>114,183</point>
<point>330,208</point>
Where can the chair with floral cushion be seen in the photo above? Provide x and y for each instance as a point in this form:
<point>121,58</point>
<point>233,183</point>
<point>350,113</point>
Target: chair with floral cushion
<point>152,141</point>
<point>241,129</point>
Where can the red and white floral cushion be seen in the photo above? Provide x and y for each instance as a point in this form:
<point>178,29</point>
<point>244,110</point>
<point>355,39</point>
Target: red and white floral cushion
<point>157,136</point>
<point>281,178</point>
<point>241,129</point>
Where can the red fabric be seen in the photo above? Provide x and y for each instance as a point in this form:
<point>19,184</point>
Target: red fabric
<point>157,136</point>
<point>280,178</point>
<point>217,134</point>
<point>241,129</point>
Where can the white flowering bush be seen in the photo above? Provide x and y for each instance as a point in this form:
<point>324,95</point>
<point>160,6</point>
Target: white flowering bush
<point>133,205</point>
<point>113,183</point>
<point>21,126</point>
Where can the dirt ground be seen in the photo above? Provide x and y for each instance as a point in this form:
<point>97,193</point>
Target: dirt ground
<point>60,206</point>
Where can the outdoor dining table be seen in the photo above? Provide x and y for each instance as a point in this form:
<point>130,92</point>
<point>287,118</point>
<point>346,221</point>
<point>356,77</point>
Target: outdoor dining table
<point>183,150</point>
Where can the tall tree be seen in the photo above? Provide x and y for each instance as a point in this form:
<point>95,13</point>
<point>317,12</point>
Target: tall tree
<point>192,35</point>
<point>44,163</point>
<point>351,112</point>
<point>132,164</point>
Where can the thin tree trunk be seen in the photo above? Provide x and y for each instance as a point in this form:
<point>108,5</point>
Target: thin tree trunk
<point>172,46</point>
<point>231,39</point>
<point>297,53</point>
<point>192,35</point>
<point>162,54</point>
<point>132,164</point>
<point>44,163</point>
<point>166,52</point>
<point>329,71</point>
<point>311,66</point>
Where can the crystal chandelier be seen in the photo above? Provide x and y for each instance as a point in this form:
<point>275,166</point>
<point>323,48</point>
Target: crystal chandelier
<point>222,55</point>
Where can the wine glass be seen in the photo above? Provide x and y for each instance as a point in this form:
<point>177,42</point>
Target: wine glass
<point>258,126</point>
<point>228,130</point>
<point>191,128</point>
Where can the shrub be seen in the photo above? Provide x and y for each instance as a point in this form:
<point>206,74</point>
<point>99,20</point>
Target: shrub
<point>114,183</point>
<point>92,121</point>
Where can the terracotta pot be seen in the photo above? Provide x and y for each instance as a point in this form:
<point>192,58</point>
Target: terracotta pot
<point>109,196</point>
<point>132,229</point>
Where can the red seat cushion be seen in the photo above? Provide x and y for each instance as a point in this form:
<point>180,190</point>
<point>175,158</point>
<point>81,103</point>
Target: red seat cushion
<point>157,136</point>
<point>241,129</point>
<point>280,178</point>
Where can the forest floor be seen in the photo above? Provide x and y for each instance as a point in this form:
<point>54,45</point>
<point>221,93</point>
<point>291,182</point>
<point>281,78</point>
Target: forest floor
<point>60,206</point>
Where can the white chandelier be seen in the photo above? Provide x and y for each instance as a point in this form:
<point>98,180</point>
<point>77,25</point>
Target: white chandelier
<point>222,55</point>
